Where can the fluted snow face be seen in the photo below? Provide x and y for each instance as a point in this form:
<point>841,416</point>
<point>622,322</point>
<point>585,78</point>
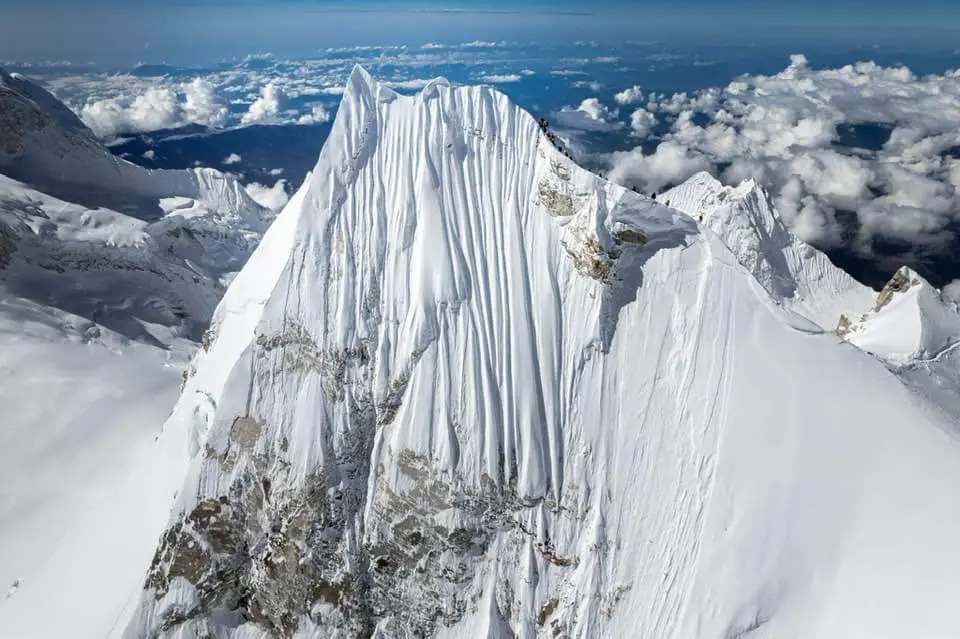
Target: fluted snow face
<point>470,389</point>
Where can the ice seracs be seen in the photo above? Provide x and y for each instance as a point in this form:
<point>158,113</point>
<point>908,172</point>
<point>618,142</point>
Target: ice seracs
<point>480,391</point>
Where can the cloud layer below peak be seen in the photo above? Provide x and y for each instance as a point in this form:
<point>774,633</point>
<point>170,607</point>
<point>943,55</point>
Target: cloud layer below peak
<point>878,142</point>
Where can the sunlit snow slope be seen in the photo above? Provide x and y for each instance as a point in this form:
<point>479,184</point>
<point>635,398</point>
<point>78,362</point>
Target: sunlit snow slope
<point>466,388</point>
<point>109,275</point>
<point>795,274</point>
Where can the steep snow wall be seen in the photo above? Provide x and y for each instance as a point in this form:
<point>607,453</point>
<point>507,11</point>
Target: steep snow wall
<point>467,388</point>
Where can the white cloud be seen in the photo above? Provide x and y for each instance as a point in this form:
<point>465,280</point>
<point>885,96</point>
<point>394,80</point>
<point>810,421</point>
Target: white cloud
<point>495,78</point>
<point>265,107</point>
<point>273,197</point>
<point>367,48</point>
<point>158,107</point>
<point>670,164</point>
<point>591,115</point>
<point>413,84</point>
<point>596,110</point>
<point>482,44</point>
<point>593,85</point>
<point>233,158</point>
<point>201,104</point>
<point>641,121</point>
<point>952,291</point>
<point>784,130</point>
<point>633,95</point>
<point>473,44</point>
<point>318,115</point>
<point>527,72</point>
<point>275,172</point>
<point>150,154</point>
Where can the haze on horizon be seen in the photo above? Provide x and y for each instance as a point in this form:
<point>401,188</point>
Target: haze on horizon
<point>196,32</point>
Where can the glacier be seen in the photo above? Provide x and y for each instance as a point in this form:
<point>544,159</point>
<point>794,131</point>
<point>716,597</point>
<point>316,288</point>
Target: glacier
<point>460,387</point>
<point>466,388</point>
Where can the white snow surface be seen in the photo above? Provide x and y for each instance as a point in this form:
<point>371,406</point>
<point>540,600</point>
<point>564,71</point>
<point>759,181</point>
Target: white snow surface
<point>452,327</point>
<point>43,144</point>
<point>911,320</point>
<point>109,275</point>
<point>793,272</point>
<point>75,439</point>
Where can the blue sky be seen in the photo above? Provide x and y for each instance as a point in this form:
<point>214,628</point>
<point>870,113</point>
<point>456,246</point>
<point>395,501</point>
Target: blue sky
<point>184,32</point>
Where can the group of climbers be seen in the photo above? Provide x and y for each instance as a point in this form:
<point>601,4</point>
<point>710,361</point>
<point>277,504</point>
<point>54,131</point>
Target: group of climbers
<point>552,137</point>
<point>544,124</point>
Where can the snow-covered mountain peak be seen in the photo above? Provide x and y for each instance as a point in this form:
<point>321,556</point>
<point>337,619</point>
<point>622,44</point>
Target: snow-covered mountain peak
<point>24,90</point>
<point>909,320</point>
<point>598,217</point>
<point>18,116</point>
<point>467,388</point>
<point>144,253</point>
<point>740,211</point>
<point>699,193</point>
<point>794,273</point>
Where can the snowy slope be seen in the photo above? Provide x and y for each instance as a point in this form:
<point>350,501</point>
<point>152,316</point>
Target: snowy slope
<point>109,275</point>
<point>915,331</point>
<point>482,392</point>
<point>77,425</point>
<point>794,273</point>
<point>44,144</point>
<point>910,320</point>
<point>146,253</point>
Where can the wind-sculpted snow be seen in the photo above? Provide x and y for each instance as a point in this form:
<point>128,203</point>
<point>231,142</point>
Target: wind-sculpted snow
<point>466,388</point>
<point>795,274</point>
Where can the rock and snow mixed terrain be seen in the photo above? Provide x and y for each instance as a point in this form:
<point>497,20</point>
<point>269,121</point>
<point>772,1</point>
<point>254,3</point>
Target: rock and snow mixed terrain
<point>465,388</point>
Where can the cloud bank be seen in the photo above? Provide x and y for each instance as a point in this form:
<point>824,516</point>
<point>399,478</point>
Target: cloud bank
<point>318,115</point>
<point>500,78</point>
<point>273,197</point>
<point>876,142</point>
<point>265,107</point>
